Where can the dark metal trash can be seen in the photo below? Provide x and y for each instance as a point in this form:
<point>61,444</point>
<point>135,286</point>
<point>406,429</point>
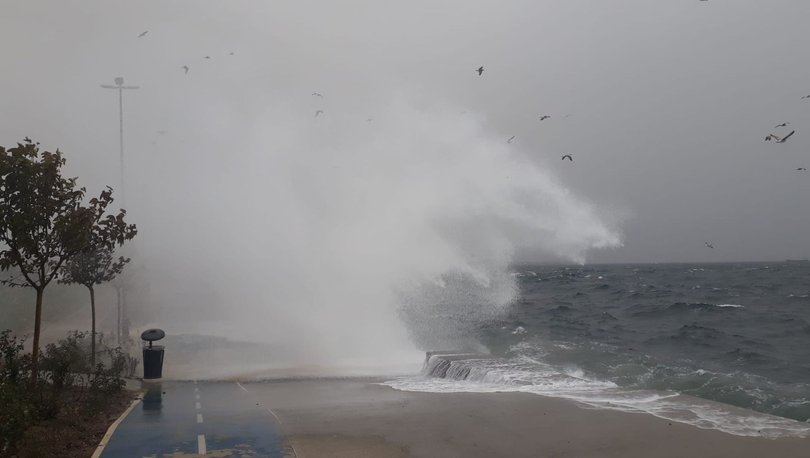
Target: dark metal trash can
<point>153,362</point>
<point>152,354</point>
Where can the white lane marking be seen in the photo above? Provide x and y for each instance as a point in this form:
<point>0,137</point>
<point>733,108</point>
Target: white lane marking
<point>274,414</point>
<point>196,390</point>
<point>196,396</point>
<point>201,444</point>
<point>268,409</point>
<point>295,453</point>
<point>198,406</point>
<point>199,418</point>
<point>106,439</point>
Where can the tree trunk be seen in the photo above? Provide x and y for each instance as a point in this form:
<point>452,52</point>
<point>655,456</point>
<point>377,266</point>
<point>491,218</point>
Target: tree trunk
<point>124,317</point>
<point>118,302</point>
<point>93,330</point>
<point>37,325</point>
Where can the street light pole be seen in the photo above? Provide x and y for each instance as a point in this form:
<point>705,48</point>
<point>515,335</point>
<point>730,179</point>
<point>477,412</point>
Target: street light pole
<point>119,84</point>
<point>122,326</point>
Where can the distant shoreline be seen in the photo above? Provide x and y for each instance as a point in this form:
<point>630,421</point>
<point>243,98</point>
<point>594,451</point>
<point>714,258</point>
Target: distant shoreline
<point>521,265</point>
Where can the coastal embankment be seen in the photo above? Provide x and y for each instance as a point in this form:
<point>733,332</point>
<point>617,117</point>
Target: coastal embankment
<point>362,418</point>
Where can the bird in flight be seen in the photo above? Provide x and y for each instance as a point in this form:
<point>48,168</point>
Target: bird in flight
<point>709,244</point>
<point>207,57</point>
<point>802,169</point>
<point>779,140</point>
<point>480,70</point>
<point>143,34</point>
<point>318,112</point>
<point>317,94</point>
<point>806,97</point>
<point>784,124</point>
<point>230,53</point>
<point>510,139</point>
<point>544,117</point>
<point>567,156</point>
<point>185,68</point>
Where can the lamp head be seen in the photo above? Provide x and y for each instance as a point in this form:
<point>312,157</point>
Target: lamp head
<point>119,81</point>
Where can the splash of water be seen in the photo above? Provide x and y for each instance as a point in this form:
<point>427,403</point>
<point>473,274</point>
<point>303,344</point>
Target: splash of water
<point>340,239</point>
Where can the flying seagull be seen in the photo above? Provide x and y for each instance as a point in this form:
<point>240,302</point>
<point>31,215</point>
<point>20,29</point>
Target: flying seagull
<point>185,67</point>
<point>318,112</point>
<point>510,139</point>
<point>784,124</point>
<point>709,244</point>
<point>207,57</point>
<point>567,156</point>
<point>779,140</point>
<point>802,169</point>
<point>806,97</point>
<point>480,70</point>
<point>230,53</point>
<point>317,94</point>
<point>143,34</point>
<point>544,117</point>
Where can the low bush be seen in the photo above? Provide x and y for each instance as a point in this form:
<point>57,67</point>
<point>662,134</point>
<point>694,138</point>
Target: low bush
<point>68,393</point>
<point>15,411</point>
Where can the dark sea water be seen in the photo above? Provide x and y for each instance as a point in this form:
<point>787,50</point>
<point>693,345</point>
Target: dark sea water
<point>637,337</point>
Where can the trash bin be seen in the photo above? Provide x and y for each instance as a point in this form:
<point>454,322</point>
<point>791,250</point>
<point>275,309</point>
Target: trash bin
<point>152,354</point>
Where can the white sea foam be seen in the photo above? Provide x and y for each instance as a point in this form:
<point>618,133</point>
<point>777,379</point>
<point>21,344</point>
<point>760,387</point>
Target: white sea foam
<point>526,375</point>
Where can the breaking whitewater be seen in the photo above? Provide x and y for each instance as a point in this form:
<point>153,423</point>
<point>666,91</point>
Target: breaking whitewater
<point>720,346</point>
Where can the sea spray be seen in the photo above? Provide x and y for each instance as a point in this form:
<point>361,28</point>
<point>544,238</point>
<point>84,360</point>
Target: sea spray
<point>348,241</point>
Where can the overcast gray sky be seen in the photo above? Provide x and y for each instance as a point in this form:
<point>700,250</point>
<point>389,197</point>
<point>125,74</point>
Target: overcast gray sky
<point>669,101</point>
<point>663,104</point>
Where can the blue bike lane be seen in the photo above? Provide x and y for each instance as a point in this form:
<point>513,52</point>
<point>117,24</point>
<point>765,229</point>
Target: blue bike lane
<point>192,419</point>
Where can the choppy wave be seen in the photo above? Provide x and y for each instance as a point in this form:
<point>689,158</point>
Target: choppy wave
<point>702,344</point>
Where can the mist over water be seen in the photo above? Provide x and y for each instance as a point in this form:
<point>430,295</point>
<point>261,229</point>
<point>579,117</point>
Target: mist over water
<point>343,239</point>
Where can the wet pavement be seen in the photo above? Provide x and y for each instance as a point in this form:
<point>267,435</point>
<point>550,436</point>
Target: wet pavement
<point>191,419</point>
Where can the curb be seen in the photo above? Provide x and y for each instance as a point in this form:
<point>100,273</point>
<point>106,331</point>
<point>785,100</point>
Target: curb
<point>108,435</point>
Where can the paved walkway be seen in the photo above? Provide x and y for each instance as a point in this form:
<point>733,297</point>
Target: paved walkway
<point>186,419</point>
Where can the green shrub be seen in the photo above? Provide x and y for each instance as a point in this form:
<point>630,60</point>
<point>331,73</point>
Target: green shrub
<point>67,392</point>
<point>15,414</point>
